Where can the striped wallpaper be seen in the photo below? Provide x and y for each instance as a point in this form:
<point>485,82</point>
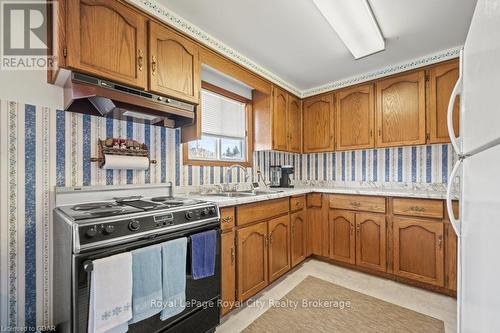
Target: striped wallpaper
<point>41,148</point>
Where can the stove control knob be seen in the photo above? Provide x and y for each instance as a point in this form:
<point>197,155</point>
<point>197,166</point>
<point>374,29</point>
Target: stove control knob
<point>134,225</point>
<point>212,210</point>
<point>204,212</point>
<point>109,229</point>
<point>91,232</point>
<point>189,215</point>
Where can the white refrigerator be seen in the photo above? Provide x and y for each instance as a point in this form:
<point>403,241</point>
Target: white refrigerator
<point>478,171</point>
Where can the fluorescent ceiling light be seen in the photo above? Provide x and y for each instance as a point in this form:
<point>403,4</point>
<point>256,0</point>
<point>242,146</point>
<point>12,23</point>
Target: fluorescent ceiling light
<point>355,24</point>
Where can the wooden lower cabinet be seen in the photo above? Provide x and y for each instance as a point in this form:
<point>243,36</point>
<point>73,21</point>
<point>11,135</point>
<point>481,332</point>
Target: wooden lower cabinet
<point>418,250</point>
<point>279,247</point>
<point>342,238</point>
<point>370,241</point>
<point>228,271</point>
<point>252,260</point>
<point>298,237</point>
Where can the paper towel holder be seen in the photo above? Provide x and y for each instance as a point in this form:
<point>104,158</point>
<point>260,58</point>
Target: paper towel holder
<point>118,146</point>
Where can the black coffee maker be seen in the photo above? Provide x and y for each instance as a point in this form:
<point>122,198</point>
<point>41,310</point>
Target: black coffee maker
<point>281,175</point>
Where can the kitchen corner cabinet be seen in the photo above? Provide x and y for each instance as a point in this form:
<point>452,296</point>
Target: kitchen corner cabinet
<point>280,128</point>
<point>318,124</point>
<point>442,80</point>
<point>107,39</point>
<point>252,260</point>
<point>174,64</point>
<point>279,247</point>
<point>298,237</point>
<point>418,250</point>
<point>342,238</point>
<point>228,271</point>
<point>294,122</point>
<point>355,117</point>
<point>277,121</point>
<point>400,110</point>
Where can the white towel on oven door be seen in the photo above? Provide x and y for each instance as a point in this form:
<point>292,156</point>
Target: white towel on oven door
<point>110,306</point>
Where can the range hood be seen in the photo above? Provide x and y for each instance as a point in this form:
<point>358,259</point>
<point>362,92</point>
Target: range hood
<point>94,96</point>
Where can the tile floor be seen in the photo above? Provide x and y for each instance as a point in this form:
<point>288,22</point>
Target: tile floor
<point>426,302</point>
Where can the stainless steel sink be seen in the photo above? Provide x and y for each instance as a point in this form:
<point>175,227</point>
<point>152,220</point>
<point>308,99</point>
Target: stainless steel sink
<point>235,194</point>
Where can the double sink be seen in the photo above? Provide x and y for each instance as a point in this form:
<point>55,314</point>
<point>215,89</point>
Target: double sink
<point>237,194</point>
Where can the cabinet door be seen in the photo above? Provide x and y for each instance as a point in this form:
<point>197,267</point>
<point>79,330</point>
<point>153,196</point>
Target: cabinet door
<point>294,125</point>
<point>401,110</point>
<point>370,241</point>
<point>252,260</point>
<point>175,65</point>
<point>280,119</point>
<point>342,238</point>
<point>298,238</point>
<point>355,118</point>
<point>318,124</point>
<point>228,271</point>
<point>442,80</point>
<point>418,250</point>
<point>279,247</point>
<point>107,39</point>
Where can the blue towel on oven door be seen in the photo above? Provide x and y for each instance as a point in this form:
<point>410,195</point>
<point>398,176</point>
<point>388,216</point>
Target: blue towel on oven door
<point>174,277</point>
<point>203,253</point>
<point>147,291</point>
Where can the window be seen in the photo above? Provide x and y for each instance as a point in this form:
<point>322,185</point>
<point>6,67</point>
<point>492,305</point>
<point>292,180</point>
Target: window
<point>225,122</point>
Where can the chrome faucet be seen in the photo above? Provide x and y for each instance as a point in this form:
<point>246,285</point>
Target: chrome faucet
<point>230,169</point>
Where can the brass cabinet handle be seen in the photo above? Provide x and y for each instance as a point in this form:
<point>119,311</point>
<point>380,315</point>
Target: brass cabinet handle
<point>153,65</point>
<point>440,241</point>
<point>358,230</point>
<point>140,59</point>
<point>417,209</point>
<point>227,219</point>
<point>266,239</point>
<point>233,255</point>
<point>271,239</point>
<point>297,203</point>
<point>355,204</point>
<point>371,133</point>
<point>352,228</point>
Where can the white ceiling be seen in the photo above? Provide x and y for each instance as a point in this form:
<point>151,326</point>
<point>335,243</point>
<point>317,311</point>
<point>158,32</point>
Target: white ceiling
<point>293,40</point>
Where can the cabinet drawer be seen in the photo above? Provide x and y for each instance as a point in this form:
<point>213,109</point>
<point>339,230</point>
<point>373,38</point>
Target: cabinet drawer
<point>314,200</point>
<point>297,203</point>
<point>358,202</point>
<point>418,207</point>
<point>227,218</point>
<point>261,210</point>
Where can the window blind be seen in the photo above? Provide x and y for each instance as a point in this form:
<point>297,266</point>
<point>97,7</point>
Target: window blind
<point>222,116</point>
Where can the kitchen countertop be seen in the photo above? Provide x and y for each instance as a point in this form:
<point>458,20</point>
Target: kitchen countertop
<point>399,192</point>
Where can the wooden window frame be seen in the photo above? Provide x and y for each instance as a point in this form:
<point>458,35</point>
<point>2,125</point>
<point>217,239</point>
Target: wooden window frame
<point>249,132</point>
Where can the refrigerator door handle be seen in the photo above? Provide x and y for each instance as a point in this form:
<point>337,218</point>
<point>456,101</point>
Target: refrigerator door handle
<point>455,223</point>
<point>457,90</point>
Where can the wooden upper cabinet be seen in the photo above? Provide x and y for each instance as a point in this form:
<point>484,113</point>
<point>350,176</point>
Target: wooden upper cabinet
<point>298,237</point>
<point>107,39</point>
<point>279,247</point>
<point>228,271</point>
<point>318,124</point>
<point>342,238</point>
<point>370,241</point>
<point>418,250</point>
<point>442,80</point>
<point>252,260</point>
<point>355,116</point>
<point>294,124</point>
<point>175,64</point>
<point>280,119</point>
<point>400,110</point>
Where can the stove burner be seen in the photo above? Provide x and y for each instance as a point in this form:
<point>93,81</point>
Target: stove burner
<point>161,199</point>
<point>106,211</point>
<point>94,205</point>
